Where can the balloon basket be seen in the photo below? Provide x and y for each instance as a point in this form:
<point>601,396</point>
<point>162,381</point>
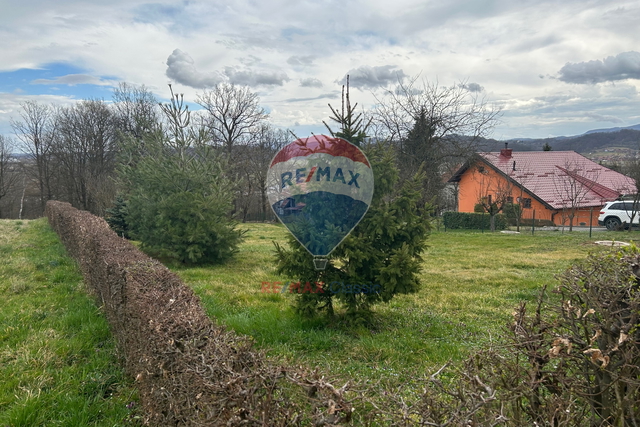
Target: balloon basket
<point>320,263</point>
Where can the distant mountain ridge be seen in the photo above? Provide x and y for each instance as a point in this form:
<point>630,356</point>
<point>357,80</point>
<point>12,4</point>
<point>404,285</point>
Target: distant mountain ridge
<point>590,143</point>
<point>634,127</point>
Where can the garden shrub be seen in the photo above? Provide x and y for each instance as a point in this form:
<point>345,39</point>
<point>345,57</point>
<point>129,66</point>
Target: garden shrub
<point>472,221</point>
<point>512,212</point>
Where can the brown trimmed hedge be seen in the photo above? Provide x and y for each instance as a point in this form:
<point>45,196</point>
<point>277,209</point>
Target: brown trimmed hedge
<point>189,372</point>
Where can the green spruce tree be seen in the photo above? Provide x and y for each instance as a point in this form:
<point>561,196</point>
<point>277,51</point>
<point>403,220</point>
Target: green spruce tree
<point>382,256</point>
<point>116,216</point>
<point>179,198</point>
<point>420,152</point>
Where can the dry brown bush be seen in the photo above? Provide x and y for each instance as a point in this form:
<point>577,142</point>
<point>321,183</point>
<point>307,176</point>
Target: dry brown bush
<point>189,372</point>
<point>574,360</point>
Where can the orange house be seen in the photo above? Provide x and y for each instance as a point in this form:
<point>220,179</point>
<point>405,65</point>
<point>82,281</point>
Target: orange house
<point>560,186</point>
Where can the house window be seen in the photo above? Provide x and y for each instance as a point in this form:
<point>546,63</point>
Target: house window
<point>525,203</point>
<point>510,199</point>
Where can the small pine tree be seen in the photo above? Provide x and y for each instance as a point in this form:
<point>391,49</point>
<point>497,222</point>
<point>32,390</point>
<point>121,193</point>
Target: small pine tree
<point>116,216</point>
<point>382,255</point>
<point>420,152</point>
<point>179,198</point>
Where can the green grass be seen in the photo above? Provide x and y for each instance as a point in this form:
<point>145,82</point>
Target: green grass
<point>58,361</point>
<point>472,281</point>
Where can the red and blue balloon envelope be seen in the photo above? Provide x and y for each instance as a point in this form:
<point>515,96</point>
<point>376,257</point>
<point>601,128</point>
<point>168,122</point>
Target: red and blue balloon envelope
<point>320,188</point>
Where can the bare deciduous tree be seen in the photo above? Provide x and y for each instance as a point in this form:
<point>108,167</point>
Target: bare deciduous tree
<point>36,131</point>
<point>457,117</point>
<point>9,173</point>
<point>136,110</point>
<point>521,175</point>
<point>494,192</point>
<point>264,144</point>
<point>85,149</point>
<point>233,113</point>
<point>573,183</point>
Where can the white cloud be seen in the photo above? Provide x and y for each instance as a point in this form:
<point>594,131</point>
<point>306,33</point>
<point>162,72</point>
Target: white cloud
<point>181,68</point>
<point>472,87</point>
<point>331,95</point>
<point>368,77</point>
<point>603,118</point>
<point>301,61</point>
<point>623,66</point>
<point>255,78</point>
<point>310,82</point>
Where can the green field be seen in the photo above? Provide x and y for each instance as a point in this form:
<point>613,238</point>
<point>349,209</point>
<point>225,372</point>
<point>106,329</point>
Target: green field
<point>58,362</point>
<point>472,281</point>
<point>59,365</point>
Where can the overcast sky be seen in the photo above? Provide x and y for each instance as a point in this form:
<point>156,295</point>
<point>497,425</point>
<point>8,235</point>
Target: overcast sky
<point>558,67</point>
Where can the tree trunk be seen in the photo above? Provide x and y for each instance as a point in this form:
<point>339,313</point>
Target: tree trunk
<point>571,215</point>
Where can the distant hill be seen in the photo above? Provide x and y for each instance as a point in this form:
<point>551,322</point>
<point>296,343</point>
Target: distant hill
<point>634,127</point>
<point>592,142</point>
<point>599,144</point>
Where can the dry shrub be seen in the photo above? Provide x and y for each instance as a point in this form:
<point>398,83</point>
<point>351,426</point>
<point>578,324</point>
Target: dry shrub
<point>573,361</point>
<point>189,372</point>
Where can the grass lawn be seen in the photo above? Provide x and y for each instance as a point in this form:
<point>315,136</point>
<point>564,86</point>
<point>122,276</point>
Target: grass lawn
<point>58,364</point>
<point>471,283</point>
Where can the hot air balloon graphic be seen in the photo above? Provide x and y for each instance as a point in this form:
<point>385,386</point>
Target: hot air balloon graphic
<point>320,188</point>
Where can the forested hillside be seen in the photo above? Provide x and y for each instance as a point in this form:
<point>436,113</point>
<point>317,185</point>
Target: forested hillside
<point>604,145</point>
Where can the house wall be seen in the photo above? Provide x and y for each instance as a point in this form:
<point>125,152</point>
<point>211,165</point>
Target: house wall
<point>475,184</point>
<point>581,217</point>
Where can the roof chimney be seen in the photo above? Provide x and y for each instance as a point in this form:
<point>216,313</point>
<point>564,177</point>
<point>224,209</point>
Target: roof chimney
<point>506,152</point>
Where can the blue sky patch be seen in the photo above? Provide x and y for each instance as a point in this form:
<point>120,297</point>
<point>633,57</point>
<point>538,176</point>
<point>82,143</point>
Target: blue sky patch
<point>57,79</point>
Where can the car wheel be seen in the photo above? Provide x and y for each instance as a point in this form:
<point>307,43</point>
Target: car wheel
<point>612,223</point>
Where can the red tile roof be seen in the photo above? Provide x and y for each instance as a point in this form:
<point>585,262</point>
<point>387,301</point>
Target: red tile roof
<point>555,177</point>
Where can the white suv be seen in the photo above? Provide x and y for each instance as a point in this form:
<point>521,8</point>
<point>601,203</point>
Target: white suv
<point>614,214</point>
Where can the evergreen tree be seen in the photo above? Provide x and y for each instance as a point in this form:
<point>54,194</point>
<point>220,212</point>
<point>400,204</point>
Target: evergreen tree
<point>352,125</point>
<point>421,153</point>
<point>116,216</point>
<point>179,197</point>
<point>382,255</point>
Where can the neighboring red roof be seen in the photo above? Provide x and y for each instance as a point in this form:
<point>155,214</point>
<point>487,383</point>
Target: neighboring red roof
<point>549,175</point>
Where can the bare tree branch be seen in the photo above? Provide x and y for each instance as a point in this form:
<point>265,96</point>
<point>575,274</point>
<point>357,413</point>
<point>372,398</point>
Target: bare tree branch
<point>233,112</point>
